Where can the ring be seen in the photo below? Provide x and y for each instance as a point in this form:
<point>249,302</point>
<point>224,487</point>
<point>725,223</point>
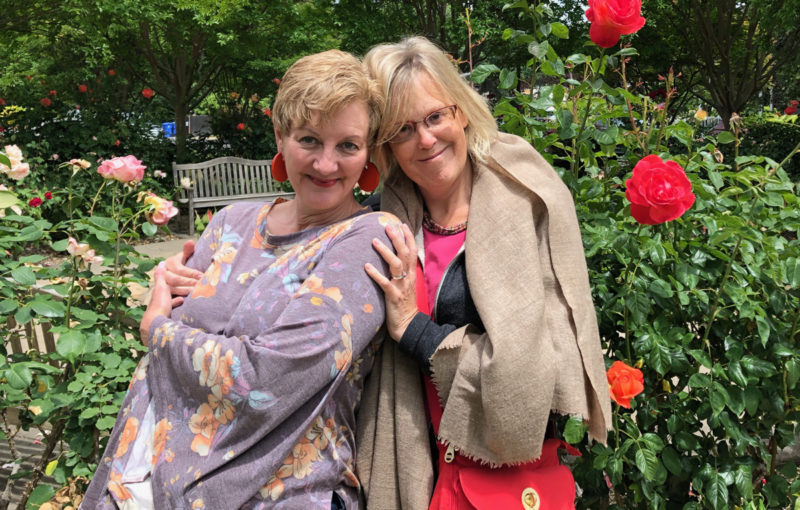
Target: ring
<point>399,277</point>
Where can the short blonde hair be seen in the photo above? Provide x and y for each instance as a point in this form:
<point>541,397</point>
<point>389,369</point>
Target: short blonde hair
<point>396,66</point>
<point>324,83</point>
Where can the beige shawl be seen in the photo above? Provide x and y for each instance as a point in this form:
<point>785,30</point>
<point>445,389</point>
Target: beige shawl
<point>541,350</point>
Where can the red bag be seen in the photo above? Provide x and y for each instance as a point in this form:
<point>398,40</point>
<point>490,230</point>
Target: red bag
<point>542,485</point>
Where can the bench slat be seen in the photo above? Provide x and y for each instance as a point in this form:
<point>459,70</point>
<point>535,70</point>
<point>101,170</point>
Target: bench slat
<point>222,181</point>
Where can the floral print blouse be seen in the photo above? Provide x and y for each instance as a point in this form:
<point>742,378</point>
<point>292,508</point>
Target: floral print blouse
<point>254,381</point>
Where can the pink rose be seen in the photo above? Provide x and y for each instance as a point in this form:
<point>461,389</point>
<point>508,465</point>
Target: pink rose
<point>161,210</point>
<point>658,191</point>
<point>125,169</point>
<point>612,18</point>
<point>18,169</point>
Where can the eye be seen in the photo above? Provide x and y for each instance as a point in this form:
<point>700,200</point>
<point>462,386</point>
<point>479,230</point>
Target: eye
<point>349,146</point>
<point>405,129</point>
<point>307,140</point>
<point>434,118</point>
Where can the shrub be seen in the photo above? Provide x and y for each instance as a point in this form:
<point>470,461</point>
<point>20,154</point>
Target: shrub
<point>705,305</point>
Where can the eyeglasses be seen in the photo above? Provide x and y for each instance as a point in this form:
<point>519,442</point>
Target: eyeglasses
<point>437,119</point>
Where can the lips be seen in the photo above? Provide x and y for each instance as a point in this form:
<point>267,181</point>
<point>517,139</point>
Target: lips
<point>431,158</point>
<point>323,183</point>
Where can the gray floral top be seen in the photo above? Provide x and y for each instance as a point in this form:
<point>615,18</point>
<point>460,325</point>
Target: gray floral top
<point>254,381</point>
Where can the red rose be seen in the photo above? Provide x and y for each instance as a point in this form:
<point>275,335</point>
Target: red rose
<point>267,112</point>
<point>82,88</point>
<point>147,93</point>
<point>116,144</point>
<point>2,101</point>
<point>111,72</point>
<point>42,82</point>
<point>45,102</point>
<point>790,110</point>
<point>794,102</point>
<point>624,383</point>
<point>48,195</point>
<point>2,129</point>
<point>276,81</point>
<point>240,126</point>
<point>53,93</point>
<point>612,18</point>
<point>658,191</point>
<point>35,202</point>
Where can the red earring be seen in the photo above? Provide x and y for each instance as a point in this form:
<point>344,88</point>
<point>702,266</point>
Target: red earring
<point>369,177</point>
<point>278,168</point>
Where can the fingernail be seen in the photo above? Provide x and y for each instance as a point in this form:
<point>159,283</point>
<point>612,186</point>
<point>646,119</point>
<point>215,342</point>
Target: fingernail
<point>162,265</point>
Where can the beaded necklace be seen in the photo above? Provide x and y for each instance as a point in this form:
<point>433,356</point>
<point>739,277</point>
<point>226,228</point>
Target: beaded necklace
<point>435,228</point>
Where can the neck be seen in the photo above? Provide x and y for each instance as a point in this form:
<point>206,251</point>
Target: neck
<point>450,206</point>
<point>292,216</point>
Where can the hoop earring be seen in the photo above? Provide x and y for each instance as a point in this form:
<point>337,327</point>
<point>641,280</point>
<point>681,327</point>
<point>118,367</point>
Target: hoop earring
<point>278,168</point>
<point>369,177</point>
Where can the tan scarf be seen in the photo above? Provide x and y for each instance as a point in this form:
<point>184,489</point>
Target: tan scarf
<point>541,350</point>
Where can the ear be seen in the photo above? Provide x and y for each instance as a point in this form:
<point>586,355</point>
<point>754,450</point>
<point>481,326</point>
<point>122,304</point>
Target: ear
<point>463,118</point>
<point>278,139</point>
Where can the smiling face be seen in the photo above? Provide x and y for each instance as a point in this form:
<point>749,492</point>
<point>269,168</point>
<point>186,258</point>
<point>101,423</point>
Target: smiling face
<point>435,159</point>
<point>324,161</point>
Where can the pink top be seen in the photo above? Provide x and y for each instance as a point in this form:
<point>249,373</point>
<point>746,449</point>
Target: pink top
<point>439,251</point>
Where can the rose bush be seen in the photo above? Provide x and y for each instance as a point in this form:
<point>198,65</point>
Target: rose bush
<point>86,300</point>
<point>703,298</point>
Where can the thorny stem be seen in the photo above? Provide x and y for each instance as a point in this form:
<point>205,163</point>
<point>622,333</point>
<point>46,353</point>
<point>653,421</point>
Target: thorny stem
<point>634,127</point>
<point>575,156</point>
<point>52,439</point>
<point>96,196</point>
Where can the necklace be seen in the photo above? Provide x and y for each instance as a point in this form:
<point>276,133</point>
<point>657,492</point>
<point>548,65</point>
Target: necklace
<point>435,228</point>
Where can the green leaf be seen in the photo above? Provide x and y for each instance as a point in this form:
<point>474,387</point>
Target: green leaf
<point>559,30</point>
<point>757,367</point>
<point>7,306</point>
<point>717,492</point>
<point>792,373</point>
<point>24,276</point>
<point>51,467</point>
<point>105,423</point>
<point>793,272</point>
<point>574,430</point>
<point>89,412</point>
<point>725,137</point>
<point>40,495</point>
<point>508,79</point>
<point>483,71</point>
<point>4,160</point>
<point>743,478</point>
<point>149,229</point>
<point>7,199</point>
<point>538,49</point>
<point>647,462</point>
<point>763,329</point>
<point>71,344</point>
<point>19,376</point>
<point>47,307</point>
<point>699,380</point>
<point>671,460</point>
<point>103,223</point>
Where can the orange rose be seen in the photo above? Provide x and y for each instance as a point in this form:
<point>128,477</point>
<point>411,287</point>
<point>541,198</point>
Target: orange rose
<point>624,383</point>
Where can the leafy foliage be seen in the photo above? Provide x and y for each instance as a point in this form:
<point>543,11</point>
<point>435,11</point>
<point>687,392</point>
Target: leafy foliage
<point>706,305</point>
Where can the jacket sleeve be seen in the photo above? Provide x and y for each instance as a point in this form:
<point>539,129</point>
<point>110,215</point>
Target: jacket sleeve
<point>326,324</point>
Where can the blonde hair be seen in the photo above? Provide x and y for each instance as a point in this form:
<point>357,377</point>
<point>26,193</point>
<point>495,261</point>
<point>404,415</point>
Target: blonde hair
<point>324,83</point>
<point>396,67</point>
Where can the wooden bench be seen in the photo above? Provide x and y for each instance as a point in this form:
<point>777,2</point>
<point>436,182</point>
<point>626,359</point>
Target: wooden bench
<point>223,181</point>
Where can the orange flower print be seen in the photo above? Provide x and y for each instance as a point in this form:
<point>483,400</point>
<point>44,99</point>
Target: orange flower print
<point>219,270</point>
<point>223,409</point>
<point>314,284</point>
<point>160,438</point>
<point>203,425</point>
<point>272,489</point>
<point>304,454</point>
<point>214,368</point>
<point>345,357</point>
<point>115,486</point>
<point>198,503</point>
<point>128,435</point>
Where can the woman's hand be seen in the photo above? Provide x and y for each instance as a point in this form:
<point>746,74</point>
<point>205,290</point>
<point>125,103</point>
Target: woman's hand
<point>399,291</point>
<point>179,278</point>
<point>160,303</point>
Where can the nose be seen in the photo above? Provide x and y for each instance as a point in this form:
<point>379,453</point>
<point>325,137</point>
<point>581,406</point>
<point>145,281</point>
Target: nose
<point>325,163</point>
<point>426,137</point>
